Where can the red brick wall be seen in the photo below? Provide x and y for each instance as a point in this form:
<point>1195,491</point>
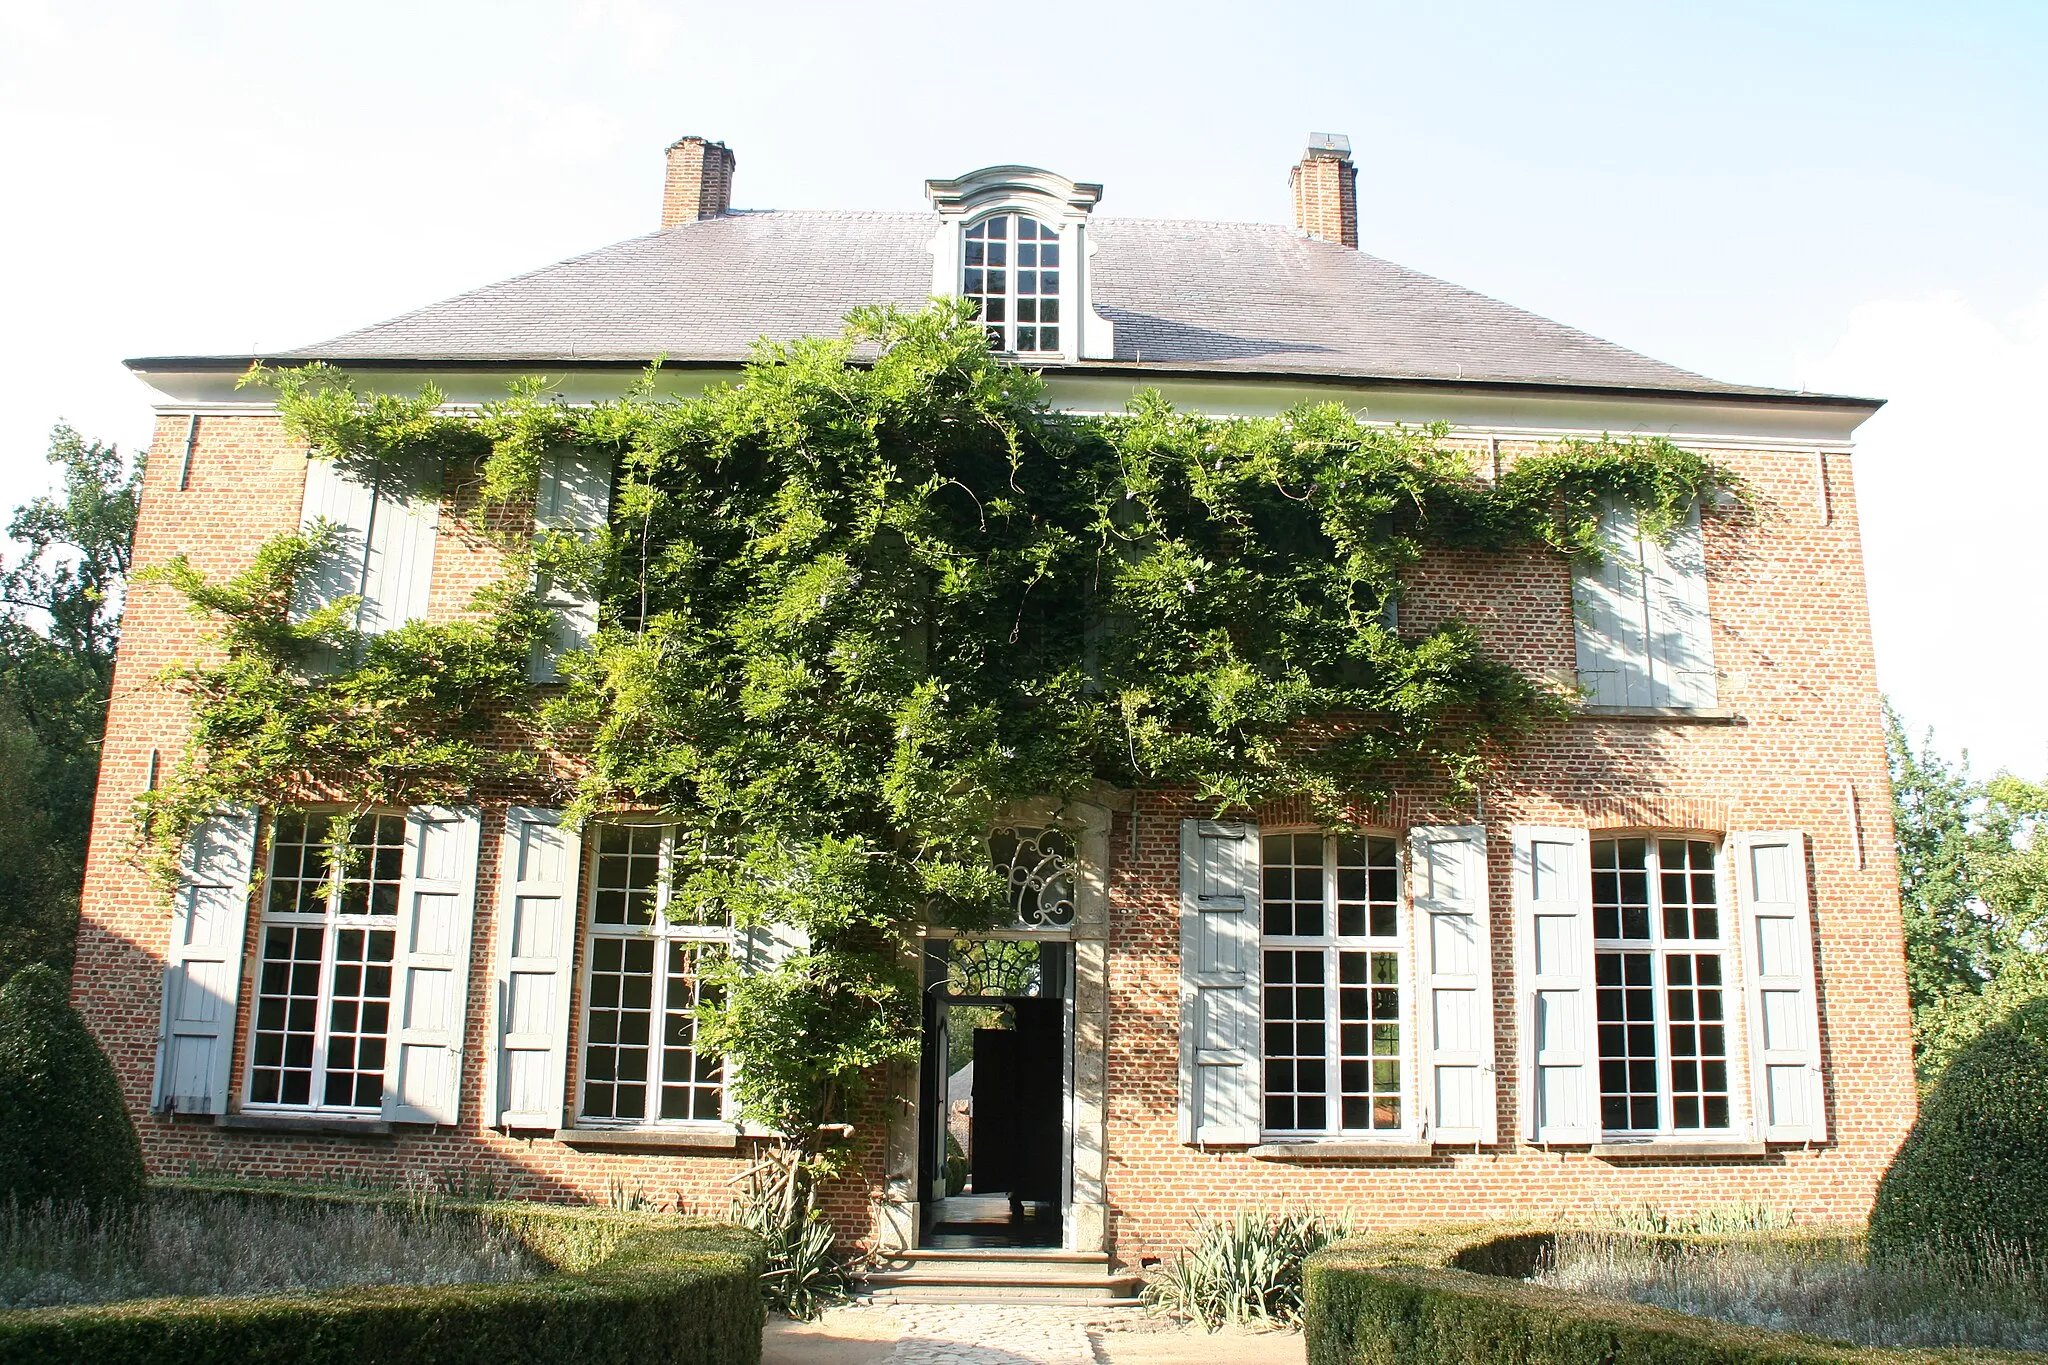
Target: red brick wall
<point>245,485</point>
<point>1792,642</point>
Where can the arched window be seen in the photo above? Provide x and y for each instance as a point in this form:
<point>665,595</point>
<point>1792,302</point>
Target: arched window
<point>1012,272</point>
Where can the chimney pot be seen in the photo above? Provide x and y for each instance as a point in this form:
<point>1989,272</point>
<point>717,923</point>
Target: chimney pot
<point>1325,186</point>
<point>699,181</point>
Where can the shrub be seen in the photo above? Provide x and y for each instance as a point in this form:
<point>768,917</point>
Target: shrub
<point>64,1129</point>
<point>625,1289</point>
<point>1973,1173</point>
<point>1246,1268</point>
<point>182,1245</point>
<point>1414,1299</point>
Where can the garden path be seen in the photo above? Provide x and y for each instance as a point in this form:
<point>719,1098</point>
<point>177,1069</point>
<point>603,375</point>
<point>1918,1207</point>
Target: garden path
<point>1013,1334</point>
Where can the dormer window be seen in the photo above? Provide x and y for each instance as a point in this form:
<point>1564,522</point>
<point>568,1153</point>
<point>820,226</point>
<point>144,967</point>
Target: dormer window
<point>1013,242</point>
<point>1012,273</point>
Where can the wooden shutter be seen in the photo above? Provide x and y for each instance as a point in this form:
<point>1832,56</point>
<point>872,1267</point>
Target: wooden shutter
<point>203,965</point>
<point>430,974</point>
<point>1554,959</point>
<point>401,559</point>
<point>537,919</point>
<point>334,496</point>
<point>1609,618</point>
<point>1454,978</point>
<point>383,549</point>
<point>762,948</point>
<point>1786,1093</point>
<point>1680,632</point>
<point>574,495</point>
<point>1219,983</point>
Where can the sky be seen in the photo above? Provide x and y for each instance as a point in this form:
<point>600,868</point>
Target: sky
<point>1836,196</point>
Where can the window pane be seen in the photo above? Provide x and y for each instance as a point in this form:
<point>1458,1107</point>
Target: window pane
<point>616,1041</point>
<point>688,1089</point>
<point>287,1013</point>
<point>1368,987</point>
<point>1293,1029</point>
<point>1621,889</point>
<point>1699,1063</point>
<point>1628,1042</point>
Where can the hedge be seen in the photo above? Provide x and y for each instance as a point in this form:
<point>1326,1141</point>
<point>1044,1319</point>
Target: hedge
<point>64,1129</point>
<point>1444,1297</point>
<point>1973,1173</point>
<point>624,1289</point>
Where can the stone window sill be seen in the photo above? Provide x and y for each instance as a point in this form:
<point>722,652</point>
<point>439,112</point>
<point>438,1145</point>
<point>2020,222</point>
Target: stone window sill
<point>301,1124</point>
<point>724,1138</point>
<point>1345,1151</point>
<point>1680,715</point>
<point>1669,1151</point>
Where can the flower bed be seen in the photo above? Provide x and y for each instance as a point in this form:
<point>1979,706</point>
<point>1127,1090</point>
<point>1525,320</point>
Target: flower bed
<point>617,1288</point>
<point>1461,1297</point>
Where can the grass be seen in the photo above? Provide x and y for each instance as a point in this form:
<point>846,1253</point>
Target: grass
<point>194,1244</point>
<point>1990,1295</point>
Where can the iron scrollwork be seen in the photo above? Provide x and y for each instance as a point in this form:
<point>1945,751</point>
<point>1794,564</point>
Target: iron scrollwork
<point>1039,867</point>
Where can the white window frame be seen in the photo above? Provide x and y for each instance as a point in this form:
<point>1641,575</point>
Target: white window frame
<point>1013,252</point>
<point>661,933</point>
<point>1727,942</point>
<point>332,923</point>
<point>1401,942</point>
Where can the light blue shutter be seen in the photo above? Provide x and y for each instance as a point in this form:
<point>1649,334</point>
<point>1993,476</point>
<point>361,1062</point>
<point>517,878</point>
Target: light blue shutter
<point>336,497</point>
<point>1609,617</point>
<point>430,972</point>
<point>574,496</point>
<point>1787,1098</point>
<point>203,965</point>
<point>537,918</point>
<point>1219,983</point>
<point>1681,637</point>
<point>1554,959</point>
<point>762,948</point>
<point>383,549</point>
<point>1447,879</point>
<point>401,560</point>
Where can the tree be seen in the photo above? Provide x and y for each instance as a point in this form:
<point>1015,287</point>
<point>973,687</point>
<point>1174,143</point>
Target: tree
<point>60,618</point>
<point>1973,884</point>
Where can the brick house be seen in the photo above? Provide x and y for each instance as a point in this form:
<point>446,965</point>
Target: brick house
<point>1659,960</point>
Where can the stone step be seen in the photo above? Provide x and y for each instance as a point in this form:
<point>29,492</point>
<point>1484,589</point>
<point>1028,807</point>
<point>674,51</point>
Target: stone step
<point>1000,1276</point>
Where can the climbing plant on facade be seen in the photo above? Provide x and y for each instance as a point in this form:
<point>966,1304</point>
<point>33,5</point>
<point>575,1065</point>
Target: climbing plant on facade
<point>856,603</point>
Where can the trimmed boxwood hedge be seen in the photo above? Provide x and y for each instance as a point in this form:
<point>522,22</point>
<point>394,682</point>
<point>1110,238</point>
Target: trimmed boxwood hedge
<point>64,1129</point>
<point>624,1290</point>
<point>1441,1297</point>
<point>1974,1170</point>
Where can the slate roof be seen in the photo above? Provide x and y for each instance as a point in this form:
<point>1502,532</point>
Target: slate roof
<point>1227,298</point>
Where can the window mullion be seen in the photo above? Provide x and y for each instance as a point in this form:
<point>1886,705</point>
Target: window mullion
<point>323,1005</point>
<point>1333,995</point>
<point>1660,988</point>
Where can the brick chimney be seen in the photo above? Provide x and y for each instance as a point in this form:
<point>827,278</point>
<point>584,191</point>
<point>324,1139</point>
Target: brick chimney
<point>1325,185</point>
<point>699,181</point>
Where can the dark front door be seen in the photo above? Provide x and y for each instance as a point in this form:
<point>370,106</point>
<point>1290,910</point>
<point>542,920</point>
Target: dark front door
<point>993,1113</point>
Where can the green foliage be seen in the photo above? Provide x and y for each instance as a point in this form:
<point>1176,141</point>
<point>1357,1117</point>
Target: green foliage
<point>60,615</point>
<point>64,1131</point>
<point>1244,1269</point>
<point>1415,1299</point>
<point>1973,880</point>
<point>806,1272</point>
<point>855,604</point>
<point>407,720</point>
<point>627,1289</point>
<point>1974,1170</point>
